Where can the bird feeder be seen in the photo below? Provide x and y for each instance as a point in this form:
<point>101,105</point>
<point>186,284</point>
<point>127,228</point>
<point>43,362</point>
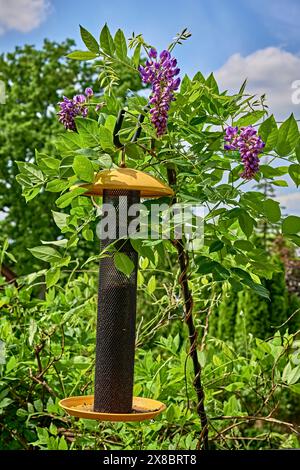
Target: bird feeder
<point>115,338</point>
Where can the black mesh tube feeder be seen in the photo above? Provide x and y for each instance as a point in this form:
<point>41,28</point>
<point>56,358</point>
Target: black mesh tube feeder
<point>115,339</point>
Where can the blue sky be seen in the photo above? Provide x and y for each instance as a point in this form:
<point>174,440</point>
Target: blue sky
<point>257,39</point>
<point>220,27</point>
<point>234,38</point>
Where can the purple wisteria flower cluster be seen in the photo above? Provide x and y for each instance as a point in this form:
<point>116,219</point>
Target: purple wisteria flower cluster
<point>249,144</point>
<point>161,74</point>
<point>70,108</point>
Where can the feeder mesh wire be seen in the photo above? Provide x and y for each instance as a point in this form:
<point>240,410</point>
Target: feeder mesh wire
<point>115,344</point>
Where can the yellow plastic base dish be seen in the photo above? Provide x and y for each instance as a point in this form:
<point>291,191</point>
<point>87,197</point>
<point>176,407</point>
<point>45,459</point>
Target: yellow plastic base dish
<point>82,407</point>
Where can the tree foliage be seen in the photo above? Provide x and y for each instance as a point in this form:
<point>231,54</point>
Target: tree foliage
<point>35,81</point>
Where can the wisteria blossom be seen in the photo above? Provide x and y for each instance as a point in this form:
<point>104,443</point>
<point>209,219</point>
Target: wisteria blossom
<point>249,145</point>
<point>161,73</point>
<point>70,108</point>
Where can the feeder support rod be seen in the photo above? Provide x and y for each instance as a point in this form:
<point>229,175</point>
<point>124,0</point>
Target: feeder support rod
<point>118,126</point>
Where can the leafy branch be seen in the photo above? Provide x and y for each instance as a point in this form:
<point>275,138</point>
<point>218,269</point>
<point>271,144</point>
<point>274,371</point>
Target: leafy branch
<point>179,38</point>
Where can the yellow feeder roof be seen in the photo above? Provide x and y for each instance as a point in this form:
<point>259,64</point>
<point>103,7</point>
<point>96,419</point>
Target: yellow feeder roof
<point>129,179</point>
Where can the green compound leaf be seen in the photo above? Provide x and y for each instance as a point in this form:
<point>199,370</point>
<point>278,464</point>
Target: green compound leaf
<point>123,263</point>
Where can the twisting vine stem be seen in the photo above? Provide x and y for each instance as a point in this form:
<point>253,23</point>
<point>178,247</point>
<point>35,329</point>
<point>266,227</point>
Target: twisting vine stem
<point>183,259</point>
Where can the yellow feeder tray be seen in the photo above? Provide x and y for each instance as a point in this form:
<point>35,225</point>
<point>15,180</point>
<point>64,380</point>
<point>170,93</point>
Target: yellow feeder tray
<point>82,407</point>
<point>127,179</point>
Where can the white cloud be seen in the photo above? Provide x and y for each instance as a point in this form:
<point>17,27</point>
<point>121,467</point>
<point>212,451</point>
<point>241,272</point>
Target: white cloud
<point>271,71</point>
<point>22,15</point>
<point>290,202</point>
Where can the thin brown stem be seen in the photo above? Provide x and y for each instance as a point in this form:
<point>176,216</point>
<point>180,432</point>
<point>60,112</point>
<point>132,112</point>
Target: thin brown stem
<point>183,259</point>
<point>268,419</point>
